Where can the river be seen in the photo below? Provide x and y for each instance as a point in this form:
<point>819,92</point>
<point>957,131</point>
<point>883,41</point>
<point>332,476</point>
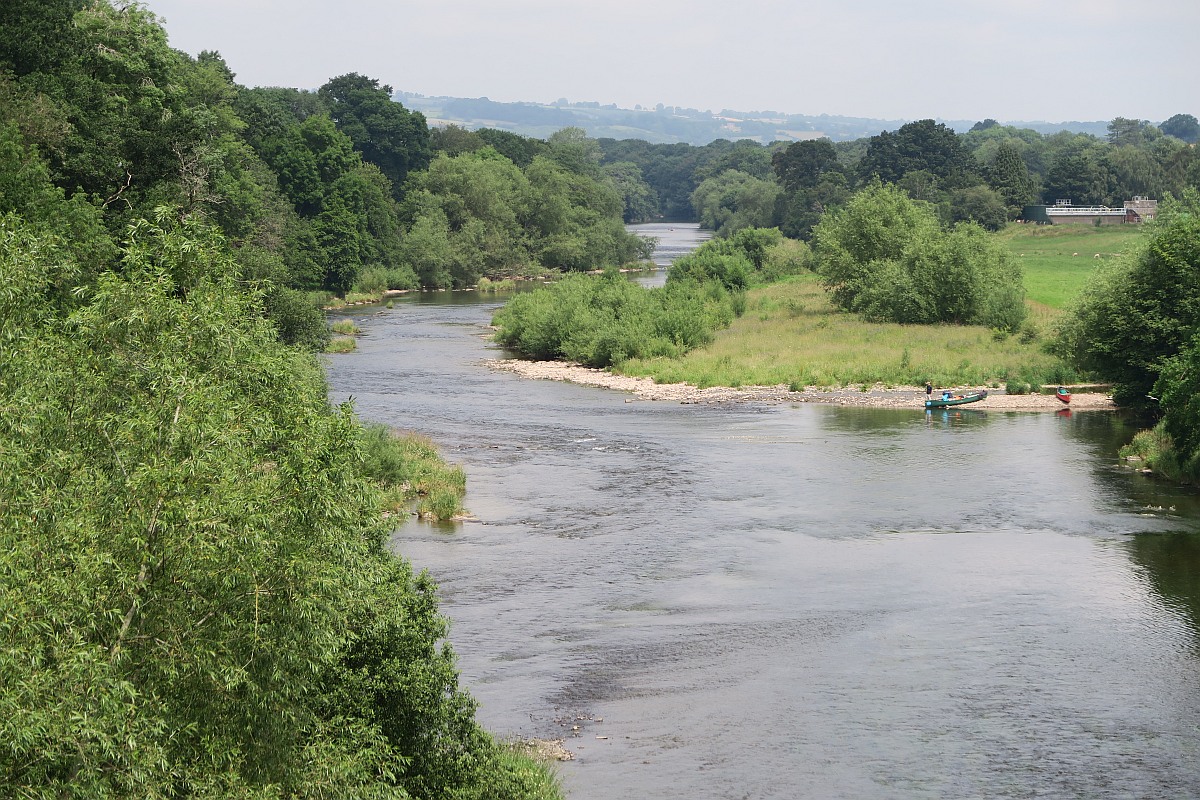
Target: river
<point>798,602</point>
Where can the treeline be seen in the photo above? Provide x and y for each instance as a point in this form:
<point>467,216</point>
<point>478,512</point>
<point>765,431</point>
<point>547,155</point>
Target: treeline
<point>340,190</point>
<point>197,599</point>
<point>986,175</point>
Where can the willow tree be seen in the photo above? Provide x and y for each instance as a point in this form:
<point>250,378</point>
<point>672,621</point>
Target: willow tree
<point>195,599</point>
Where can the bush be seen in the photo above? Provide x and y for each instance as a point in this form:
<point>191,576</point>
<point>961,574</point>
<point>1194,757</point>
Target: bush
<point>411,465</point>
<point>887,258</point>
<point>297,318</point>
<point>603,320</point>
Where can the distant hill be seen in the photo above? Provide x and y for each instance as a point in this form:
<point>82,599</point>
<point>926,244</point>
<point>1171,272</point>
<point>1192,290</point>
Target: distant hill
<point>670,124</point>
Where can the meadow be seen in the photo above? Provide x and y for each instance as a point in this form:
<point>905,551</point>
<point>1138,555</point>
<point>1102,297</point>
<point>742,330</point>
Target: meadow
<point>791,334</point>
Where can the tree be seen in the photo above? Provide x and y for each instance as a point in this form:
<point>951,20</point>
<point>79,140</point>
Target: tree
<point>641,203</point>
<point>734,200</point>
<point>1131,132</point>
<point>387,134</point>
<point>1142,311</point>
<point>886,257</point>
<point>1084,179</point>
<point>197,600</point>
<point>985,125</point>
<point>1009,176</point>
<point>979,204</point>
<point>574,150</point>
<point>37,35</point>
<point>921,145</point>
<point>1178,390</point>
<point>802,165</point>
<point>1182,126</point>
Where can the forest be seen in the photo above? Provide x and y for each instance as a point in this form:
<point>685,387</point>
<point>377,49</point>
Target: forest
<point>197,599</point>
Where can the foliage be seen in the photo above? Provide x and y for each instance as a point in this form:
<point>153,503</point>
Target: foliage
<point>604,320</point>
<point>1178,391</point>
<point>978,204</point>
<point>387,134</point>
<point>734,200</point>
<point>1009,176</point>
<point>802,165</point>
<point>749,257</point>
<point>409,468</point>
<point>196,600</point>
<point>1182,126</point>
<point>480,214</point>
<point>299,321</point>
<point>790,333</point>
<point>641,202</point>
<point>1144,309</point>
<point>886,257</point>
<point>921,145</point>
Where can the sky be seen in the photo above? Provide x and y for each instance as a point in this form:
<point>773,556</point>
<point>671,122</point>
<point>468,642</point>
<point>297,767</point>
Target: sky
<point>1009,60</point>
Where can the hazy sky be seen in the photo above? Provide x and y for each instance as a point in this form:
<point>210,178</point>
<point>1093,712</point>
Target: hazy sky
<point>1052,60</point>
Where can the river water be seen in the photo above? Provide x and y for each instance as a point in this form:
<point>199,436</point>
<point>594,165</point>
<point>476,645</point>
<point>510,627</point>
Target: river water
<point>798,602</point>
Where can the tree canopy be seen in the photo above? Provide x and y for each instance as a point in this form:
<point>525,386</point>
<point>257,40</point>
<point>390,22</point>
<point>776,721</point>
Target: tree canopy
<point>887,257</point>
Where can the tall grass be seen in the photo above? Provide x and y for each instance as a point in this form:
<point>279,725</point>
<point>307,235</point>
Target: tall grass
<point>412,473</point>
<point>791,334</point>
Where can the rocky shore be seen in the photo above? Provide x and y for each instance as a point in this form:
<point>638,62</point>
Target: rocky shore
<point>876,397</point>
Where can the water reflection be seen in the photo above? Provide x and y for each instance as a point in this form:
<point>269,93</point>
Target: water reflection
<point>1172,564</point>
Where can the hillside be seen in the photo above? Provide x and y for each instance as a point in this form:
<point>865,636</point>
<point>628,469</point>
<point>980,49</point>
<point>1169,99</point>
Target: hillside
<point>673,124</point>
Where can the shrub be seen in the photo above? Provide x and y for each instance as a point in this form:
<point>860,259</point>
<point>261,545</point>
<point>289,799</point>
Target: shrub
<point>297,319</point>
<point>604,320</point>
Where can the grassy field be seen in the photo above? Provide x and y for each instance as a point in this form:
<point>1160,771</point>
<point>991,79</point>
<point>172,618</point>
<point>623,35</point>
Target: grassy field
<point>1058,260</point>
<point>791,334</point>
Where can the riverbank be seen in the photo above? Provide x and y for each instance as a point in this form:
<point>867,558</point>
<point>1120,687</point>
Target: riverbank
<point>877,397</point>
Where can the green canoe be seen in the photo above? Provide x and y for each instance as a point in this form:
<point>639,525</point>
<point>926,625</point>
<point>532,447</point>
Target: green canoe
<point>955,399</point>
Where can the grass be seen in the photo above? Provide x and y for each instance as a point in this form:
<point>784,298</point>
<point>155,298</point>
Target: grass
<point>1058,260</point>
<point>791,334</point>
<point>411,472</point>
<point>345,327</point>
<point>341,344</point>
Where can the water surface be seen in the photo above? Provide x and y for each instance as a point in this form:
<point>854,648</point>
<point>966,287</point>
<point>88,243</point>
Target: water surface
<point>798,602</point>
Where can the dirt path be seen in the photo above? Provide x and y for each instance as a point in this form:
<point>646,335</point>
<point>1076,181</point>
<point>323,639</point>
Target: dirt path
<point>880,397</point>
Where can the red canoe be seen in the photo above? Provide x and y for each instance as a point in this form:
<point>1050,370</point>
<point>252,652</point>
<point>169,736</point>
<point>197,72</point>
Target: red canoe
<point>1063,394</point>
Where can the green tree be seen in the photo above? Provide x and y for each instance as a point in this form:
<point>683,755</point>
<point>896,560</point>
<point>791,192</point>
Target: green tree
<point>196,598</point>
<point>1009,176</point>
<point>1131,132</point>
<point>734,200</point>
<point>922,145</point>
<point>387,134</point>
<point>1144,310</point>
<point>38,35</point>
<point>1178,390</point>
<point>1182,126</point>
<point>802,165</point>
<point>886,256</point>
<point>979,204</point>
<point>1085,179</point>
<point>641,203</point>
